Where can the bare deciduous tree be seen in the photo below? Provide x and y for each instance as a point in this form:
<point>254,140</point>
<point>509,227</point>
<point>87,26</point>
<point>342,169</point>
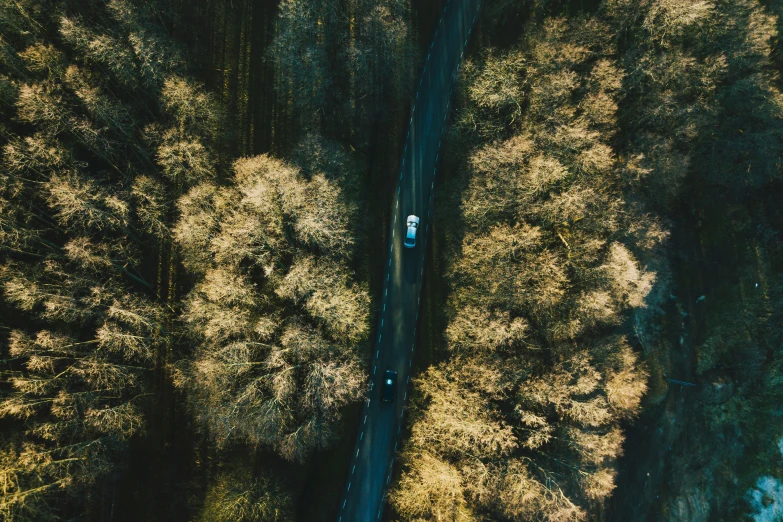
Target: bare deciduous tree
<point>276,316</point>
<point>521,422</point>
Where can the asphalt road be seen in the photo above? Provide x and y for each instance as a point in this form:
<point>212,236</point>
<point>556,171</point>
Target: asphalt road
<point>380,425</point>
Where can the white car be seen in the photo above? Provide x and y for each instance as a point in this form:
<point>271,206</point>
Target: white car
<point>410,236</point>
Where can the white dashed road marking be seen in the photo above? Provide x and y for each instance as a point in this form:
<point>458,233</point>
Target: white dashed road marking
<point>428,112</point>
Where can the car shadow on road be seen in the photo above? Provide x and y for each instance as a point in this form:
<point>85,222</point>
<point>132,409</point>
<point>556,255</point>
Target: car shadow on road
<point>410,265</point>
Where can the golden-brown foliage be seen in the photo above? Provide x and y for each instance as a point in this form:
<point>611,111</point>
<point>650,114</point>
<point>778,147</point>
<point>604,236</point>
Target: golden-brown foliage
<point>523,421</point>
<point>276,317</point>
<point>83,206</point>
<point>236,497</point>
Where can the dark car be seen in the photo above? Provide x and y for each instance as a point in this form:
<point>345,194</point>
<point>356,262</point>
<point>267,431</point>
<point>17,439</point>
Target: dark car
<point>389,383</point>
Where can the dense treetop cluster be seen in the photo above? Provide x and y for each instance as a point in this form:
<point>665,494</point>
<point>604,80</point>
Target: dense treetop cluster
<point>585,140</point>
<point>523,419</point>
<point>137,254</point>
<point>281,319</point>
<point>175,269</point>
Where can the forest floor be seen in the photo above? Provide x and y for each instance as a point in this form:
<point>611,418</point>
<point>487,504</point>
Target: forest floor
<point>661,431</point>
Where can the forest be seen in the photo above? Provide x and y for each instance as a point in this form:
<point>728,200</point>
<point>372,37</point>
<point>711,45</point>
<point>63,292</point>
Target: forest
<point>196,201</point>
